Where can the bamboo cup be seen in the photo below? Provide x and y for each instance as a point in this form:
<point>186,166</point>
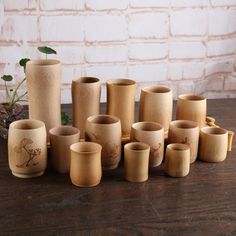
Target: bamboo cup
<point>61,138</point>
<point>85,166</point>
<point>43,78</point>
<point>192,107</point>
<point>186,132</point>
<point>213,144</point>
<point>156,104</point>
<point>121,102</point>
<point>27,148</point>
<point>177,160</point>
<point>86,93</point>
<point>136,161</point>
<point>105,130</point>
<point>152,134</point>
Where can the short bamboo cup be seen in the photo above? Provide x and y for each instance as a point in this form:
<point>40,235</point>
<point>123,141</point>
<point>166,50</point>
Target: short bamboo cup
<point>156,104</point>
<point>213,144</point>
<point>186,132</point>
<point>86,93</point>
<point>85,165</point>
<point>177,160</point>
<point>152,134</point>
<point>105,130</point>
<point>136,160</point>
<point>27,148</point>
<point>192,107</point>
<point>121,102</point>
<point>60,139</point>
<point>43,78</point>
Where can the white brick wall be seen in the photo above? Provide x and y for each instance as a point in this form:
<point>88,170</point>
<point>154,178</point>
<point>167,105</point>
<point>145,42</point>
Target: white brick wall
<point>188,45</point>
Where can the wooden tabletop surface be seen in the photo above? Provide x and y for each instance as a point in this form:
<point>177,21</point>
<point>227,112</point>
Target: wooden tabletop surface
<point>203,203</point>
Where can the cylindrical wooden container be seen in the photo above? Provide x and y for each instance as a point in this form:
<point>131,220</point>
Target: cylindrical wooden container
<point>85,165</point>
<point>60,139</point>
<point>177,160</point>
<point>152,134</point>
<point>192,107</point>
<point>86,93</point>
<point>105,130</point>
<point>186,132</point>
<point>156,104</point>
<point>121,102</point>
<point>213,144</point>
<point>43,78</point>
<point>27,148</point>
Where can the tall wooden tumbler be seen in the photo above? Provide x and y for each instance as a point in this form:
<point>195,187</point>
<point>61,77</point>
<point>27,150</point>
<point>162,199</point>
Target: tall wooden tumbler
<point>121,102</point>
<point>86,93</point>
<point>156,104</point>
<point>43,78</point>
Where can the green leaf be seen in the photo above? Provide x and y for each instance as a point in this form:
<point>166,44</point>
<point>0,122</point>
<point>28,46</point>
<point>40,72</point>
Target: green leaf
<point>47,50</point>
<point>64,118</point>
<point>23,62</point>
<point>7,78</point>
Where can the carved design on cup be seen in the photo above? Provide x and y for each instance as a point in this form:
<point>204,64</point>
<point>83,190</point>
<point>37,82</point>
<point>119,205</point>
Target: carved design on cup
<point>155,151</point>
<point>186,141</point>
<point>32,153</point>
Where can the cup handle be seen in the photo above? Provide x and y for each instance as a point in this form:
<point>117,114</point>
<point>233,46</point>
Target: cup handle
<point>230,140</point>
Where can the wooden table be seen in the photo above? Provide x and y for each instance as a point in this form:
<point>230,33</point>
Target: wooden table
<point>203,203</point>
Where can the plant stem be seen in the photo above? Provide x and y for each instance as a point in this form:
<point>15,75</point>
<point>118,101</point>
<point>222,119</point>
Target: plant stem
<point>19,98</point>
<point>7,92</point>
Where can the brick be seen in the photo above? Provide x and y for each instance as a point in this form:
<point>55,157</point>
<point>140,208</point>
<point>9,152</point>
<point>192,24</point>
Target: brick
<point>54,5</point>
<point>189,22</point>
<point>193,70</point>
<point>149,3</point>
<point>221,47</point>
<point>189,3</point>
<point>215,84</point>
<point>175,71</point>
<point>216,95</point>
<point>66,28</point>
<point>220,22</point>
<point>107,5</point>
<point>186,50</point>
<point>148,72</point>
<point>219,66</point>
<point>185,87</point>
<point>105,27</point>
<point>66,95</point>
<point>148,51</point>
<point>230,83</point>
<point>108,53</point>
<point>200,86</point>
<point>222,3</point>
<point>3,97</point>
<point>10,5</point>
<point>148,25</point>
<point>70,72</point>
<point>19,28</point>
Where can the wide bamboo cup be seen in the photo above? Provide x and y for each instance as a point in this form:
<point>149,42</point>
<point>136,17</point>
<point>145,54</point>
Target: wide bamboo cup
<point>85,165</point>
<point>213,144</point>
<point>60,139</point>
<point>43,78</point>
<point>86,93</point>
<point>27,148</point>
<point>136,158</point>
<point>151,133</point>
<point>105,130</point>
<point>121,102</point>
<point>192,107</point>
<point>156,104</point>
<point>186,132</point>
<point>177,160</point>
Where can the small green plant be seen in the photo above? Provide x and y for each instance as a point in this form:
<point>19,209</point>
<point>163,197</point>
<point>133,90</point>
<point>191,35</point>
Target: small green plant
<point>46,50</point>
<point>64,118</point>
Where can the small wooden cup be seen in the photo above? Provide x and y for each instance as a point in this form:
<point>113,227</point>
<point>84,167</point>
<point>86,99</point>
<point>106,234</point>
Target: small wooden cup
<point>60,139</point>
<point>177,160</point>
<point>213,144</point>
<point>85,165</point>
<point>136,160</point>
<point>186,132</point>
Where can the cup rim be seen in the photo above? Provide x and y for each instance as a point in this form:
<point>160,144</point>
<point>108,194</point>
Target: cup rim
<point>87,145</point>
<point>121,82</point>
<point>86,80</point>
<point>143,146</point>
<point>39,124</point>
<point>71,131</point>
<point>43,62</point>
<point>191,97</point>
<point>217,131</point>
<point>177,124</point>
<point>178,147</point>
<point>113,119</point>
<point>155,89</point>
<point>138,126</point>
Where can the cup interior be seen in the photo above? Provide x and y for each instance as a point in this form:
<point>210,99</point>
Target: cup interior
<point>103,119</point>
<point>137,146</point>
<point>87,80</point>
<point>86,147</point>
<point>213,131</point>
<point>184,124</point>
<point>121,82</point>
<point>178,147</point>
<point>64,131</point>
<point>147,126</point>
<point>43,62</point>
<point>190,97</point>
<point>27,124</point>
<point>157,89</point>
